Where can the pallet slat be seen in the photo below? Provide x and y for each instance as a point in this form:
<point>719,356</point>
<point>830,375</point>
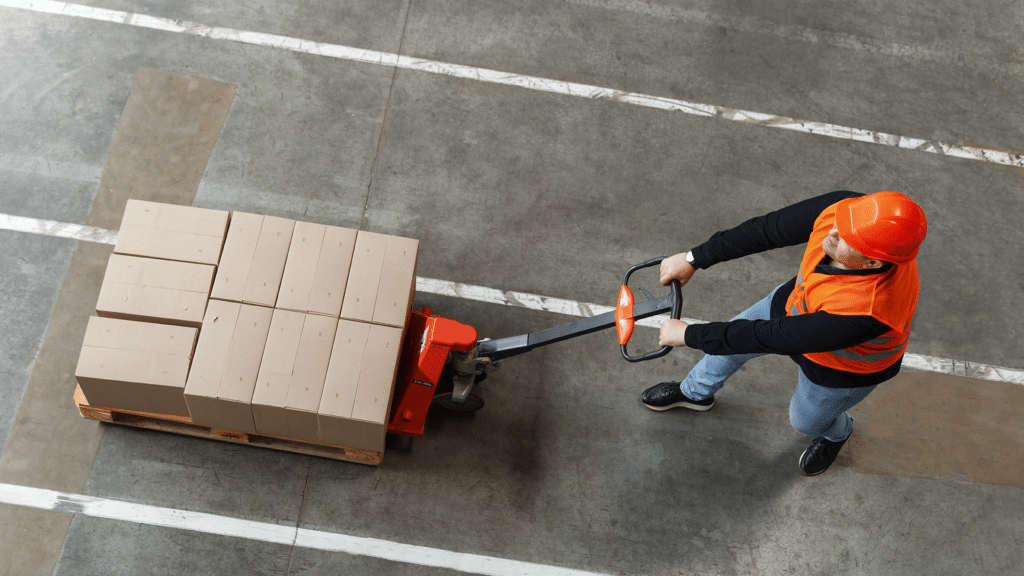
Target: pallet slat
<point>184,425</point>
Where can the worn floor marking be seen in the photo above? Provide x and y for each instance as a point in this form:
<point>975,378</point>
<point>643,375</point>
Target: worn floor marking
<point>274,533</point>
<point>971,56</point>
<point>995,156</point>
<point>531,301</point>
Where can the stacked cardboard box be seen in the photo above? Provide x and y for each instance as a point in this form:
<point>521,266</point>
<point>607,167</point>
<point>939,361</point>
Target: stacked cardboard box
<point>317,269</point>
<point>359,384</point>
<point>172,232</point>
<point>253,262</point>
<point>151,290</point>
<point>300,325</point>
<point>224,368</point>
<point>135,365</point>
<point>382,281</point>
<point>291,379</point>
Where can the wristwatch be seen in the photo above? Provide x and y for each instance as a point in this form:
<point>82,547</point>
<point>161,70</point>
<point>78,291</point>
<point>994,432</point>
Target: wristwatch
<point>689,257</point>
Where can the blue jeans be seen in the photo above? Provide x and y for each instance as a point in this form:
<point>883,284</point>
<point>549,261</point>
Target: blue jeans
<point>814,410</point>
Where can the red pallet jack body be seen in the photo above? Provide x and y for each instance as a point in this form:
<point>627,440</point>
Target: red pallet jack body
<point>430,341</point>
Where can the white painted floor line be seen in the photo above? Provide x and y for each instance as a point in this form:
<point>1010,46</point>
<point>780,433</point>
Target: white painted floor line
<point>531,301</point>
<point>274,533</point>
<point>59,229</point>
<point>995,156</point>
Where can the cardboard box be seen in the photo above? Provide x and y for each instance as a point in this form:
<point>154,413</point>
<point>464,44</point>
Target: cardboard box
<point>382,279</point>
<point>316,271</point>
<point>252,264</point>
<point>172,232</point>
<point>135,365</point>
<point>151,290</point>
<point>291,377</point>
<point>225,365</point>
<point>359,386</point>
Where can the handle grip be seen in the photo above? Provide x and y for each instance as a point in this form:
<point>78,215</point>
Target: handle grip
<point>624,320</point>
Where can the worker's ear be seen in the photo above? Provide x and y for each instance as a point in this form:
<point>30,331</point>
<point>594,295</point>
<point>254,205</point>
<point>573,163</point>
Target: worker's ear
<point>872,264</point>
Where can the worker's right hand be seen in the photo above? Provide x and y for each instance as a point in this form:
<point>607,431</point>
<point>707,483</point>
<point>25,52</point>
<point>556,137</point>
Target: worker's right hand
<point>676,268</point>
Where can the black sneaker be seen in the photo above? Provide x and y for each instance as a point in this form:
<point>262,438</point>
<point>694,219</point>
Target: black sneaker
<point>820,455</point>
<point>668,395</point>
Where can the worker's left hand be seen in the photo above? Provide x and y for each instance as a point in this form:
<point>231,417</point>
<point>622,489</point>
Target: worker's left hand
<point>673,333</point>
<point>676,268</point>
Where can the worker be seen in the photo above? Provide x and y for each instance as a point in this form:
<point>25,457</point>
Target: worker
<point>844,318</point>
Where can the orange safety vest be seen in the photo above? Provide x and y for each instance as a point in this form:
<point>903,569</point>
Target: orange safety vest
<point>890,297</point>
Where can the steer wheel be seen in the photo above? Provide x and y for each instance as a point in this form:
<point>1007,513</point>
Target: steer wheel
<point>472,403</point>
<point>443,397</point>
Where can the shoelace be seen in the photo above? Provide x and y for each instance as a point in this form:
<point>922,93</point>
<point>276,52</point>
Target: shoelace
<point>819,446</point>
<point>669,390</point>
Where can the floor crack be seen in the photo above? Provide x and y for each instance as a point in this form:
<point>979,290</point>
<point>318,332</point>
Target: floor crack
<point>384,124</point>
<point>298,521</point>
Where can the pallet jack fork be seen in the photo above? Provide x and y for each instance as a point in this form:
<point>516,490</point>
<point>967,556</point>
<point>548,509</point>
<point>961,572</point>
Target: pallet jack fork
<point>442,359</point>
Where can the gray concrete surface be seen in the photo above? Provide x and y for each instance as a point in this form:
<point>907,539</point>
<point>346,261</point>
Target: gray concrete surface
<point>99,546</point>
<point>522,190</point>
<point>33,269</point>
<point>32,273</point>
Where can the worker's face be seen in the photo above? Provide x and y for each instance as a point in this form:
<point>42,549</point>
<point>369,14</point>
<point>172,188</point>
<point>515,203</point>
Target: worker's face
<point>843,253</point>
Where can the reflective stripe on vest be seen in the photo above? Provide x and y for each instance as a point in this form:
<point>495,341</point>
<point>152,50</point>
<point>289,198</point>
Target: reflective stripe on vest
<point>850,353</point>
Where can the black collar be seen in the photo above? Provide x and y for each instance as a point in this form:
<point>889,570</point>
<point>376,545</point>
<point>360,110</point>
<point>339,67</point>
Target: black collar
<point>823,268</point>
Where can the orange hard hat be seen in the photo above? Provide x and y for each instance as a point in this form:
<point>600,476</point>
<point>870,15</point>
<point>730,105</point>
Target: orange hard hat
<point>885,226</point>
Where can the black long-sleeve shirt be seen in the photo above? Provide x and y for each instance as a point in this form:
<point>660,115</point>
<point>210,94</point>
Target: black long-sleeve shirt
<point>782,334</point>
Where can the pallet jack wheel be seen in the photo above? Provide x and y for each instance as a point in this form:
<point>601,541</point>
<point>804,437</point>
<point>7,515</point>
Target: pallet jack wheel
<point>443,396</point>
<point>472,403</point>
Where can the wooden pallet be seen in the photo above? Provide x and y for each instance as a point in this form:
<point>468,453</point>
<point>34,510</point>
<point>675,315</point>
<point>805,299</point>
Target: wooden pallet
<point>184,425</point>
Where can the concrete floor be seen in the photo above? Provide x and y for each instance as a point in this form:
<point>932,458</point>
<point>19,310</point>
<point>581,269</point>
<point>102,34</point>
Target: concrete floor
<point>523,190</point>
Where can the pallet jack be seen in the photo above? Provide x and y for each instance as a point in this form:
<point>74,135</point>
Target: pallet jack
<point>441,359</point>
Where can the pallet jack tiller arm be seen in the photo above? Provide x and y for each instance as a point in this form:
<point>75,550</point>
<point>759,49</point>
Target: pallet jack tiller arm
<point>488,353</point>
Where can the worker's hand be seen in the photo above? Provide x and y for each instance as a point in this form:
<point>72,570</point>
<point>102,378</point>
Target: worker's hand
<point>676,268</point>
<point>673,333</point>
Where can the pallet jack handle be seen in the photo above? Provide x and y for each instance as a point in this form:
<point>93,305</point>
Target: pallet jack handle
<point>624,319</point>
